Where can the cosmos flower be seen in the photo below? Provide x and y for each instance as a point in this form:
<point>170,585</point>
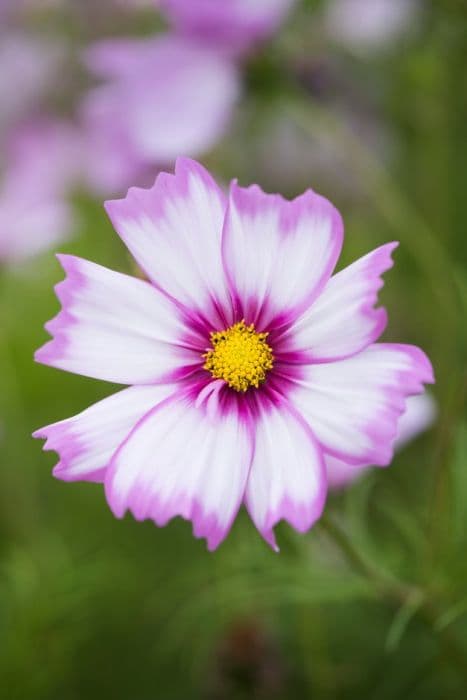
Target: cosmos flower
<point>40,169</point>
<point>163,96</point>
<point>237,24</point>
<point>418,416</point>
<point>248,363</point>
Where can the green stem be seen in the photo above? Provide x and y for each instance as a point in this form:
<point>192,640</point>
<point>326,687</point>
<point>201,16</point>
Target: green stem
<point>399,593</point>
<point>10,383</point>
<point>386,586</point>
<point>18,505</point>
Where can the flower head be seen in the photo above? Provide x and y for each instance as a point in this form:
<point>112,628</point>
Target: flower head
<point>249,364</point>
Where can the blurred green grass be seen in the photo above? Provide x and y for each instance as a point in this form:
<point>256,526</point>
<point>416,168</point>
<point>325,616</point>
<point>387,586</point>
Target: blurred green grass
<point>373,602</point>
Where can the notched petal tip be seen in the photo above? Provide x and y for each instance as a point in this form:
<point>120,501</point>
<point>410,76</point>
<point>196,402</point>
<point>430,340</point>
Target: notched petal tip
<point>39,434</point>
<point>264,237</point>
<point>287,480</point>
<point>204,527</point>
<point>164,183</point>
<point>184,165</point>
<point>45,354</point>
<point>421,370</point>
<point>161,488</point>
<point>270,539</point>
<point>427,373</point>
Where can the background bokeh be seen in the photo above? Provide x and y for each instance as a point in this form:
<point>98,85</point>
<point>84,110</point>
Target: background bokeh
<point>371,111</point>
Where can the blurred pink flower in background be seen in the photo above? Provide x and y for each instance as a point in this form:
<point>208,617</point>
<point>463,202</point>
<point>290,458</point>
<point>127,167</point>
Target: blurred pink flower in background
<point>163,96</point>
<point>39,155</point>
<point>169,95</point>
<point>368,24</point>
<point>234,24</point>
<point>158,97</point>
<point>29,69</point>
<point>16,9</point>
<point>419,415</point>
<point>41,167</point>
<point>135,4</point>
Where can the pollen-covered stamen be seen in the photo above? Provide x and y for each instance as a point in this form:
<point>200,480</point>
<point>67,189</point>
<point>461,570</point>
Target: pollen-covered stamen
<point>240,356</point>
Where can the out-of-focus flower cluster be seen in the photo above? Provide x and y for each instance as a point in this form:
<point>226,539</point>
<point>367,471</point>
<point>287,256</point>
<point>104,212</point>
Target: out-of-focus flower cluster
<point>140,104</point>
<point>369,24</point>
<point>82,112</point>
<point>38,152</point>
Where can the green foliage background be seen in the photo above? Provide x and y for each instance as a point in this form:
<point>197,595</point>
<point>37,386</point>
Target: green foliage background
<point>372,603</point>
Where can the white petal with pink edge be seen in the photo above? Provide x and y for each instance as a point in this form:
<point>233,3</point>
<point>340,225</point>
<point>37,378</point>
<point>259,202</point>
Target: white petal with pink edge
<point>183,459</point>
<point>278,254</point>
<point>87,441</point>
<point>287,479</point>
<point>174,231</point>
<point>418,416</point>
<point>117,328</point>
<point>340,473</point>
<point>353,405</point>
<point>343,320</point>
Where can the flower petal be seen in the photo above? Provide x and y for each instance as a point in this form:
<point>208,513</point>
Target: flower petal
<point>183,459</point>
<point>278,255</point>
<point>117,328</point>
<point>353,405</point>
<point>235,24</point>
<point>87,441</point>
<point>174,232</point>
<point>109,161</point>
<point>343,320</point>
<point>418,416</point>
<point>287,478</point>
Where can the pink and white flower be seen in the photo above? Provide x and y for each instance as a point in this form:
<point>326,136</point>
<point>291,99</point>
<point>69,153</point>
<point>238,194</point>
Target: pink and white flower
<point>248,363</point>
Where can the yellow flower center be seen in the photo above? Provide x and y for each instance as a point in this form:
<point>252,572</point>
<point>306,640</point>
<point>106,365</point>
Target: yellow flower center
<point>240,356</point>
